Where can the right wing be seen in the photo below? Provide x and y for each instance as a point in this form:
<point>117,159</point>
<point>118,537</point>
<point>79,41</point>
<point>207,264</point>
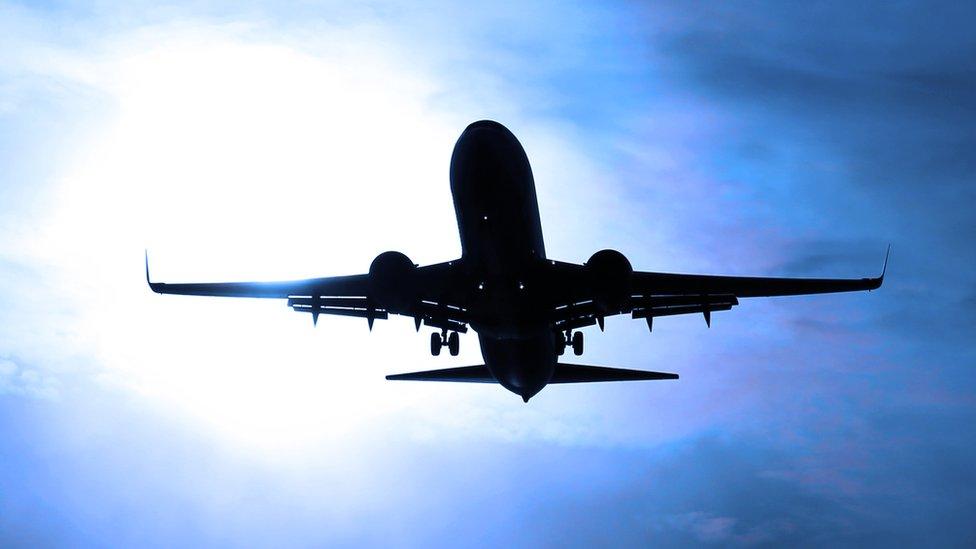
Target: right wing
<point>653,294</point>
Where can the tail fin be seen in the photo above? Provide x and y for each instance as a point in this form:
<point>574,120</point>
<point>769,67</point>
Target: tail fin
<point>581,373</point>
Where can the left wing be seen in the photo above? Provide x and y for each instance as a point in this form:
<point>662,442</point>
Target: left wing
<point>436,302</point>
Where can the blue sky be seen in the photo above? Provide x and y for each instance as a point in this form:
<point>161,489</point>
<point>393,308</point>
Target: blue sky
<point>248,140</point>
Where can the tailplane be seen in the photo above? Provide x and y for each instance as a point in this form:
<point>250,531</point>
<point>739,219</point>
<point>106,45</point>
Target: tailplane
<point>464,374</point>
<point>581,373</point>
<point>564,373</point>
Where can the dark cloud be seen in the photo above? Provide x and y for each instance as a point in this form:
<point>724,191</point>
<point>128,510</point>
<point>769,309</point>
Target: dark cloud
<point>865,116</point>
<point>891,88</point>
<point>833,258</point>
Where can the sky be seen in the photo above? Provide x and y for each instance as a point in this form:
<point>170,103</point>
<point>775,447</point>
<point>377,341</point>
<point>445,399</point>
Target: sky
<point>260,140</point>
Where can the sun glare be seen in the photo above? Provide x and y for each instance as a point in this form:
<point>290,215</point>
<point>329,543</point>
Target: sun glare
<point>241,160</point>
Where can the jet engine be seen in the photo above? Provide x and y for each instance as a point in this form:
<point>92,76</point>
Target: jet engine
<point>392,281</point>
<point>609,273</point>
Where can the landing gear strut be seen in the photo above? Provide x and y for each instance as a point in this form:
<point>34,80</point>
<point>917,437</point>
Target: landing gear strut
<point>452,341</point>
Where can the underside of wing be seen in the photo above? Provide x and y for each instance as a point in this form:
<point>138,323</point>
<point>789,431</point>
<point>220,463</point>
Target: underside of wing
<point>583,294</point>
<point>429,296</point>
<point>351,285</point>
<point>648,283</point>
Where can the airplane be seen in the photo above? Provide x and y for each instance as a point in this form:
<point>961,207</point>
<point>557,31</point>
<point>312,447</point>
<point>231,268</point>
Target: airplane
<point>526,308</point>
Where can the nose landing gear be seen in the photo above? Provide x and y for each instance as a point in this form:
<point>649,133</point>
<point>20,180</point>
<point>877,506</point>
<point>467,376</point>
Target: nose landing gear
<point>452,341</point>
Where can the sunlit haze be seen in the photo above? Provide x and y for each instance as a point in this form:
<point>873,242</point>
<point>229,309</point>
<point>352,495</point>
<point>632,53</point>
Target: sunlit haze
<point>266,143</point>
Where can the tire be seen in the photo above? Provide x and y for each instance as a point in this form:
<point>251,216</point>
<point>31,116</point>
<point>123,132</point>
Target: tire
<point>578,343</point>
<point>560,344</point>
<point>454,343</point>
<point>435,344</point>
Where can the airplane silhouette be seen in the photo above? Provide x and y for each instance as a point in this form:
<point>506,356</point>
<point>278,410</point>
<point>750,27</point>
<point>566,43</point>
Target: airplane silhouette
<point>525,307</point>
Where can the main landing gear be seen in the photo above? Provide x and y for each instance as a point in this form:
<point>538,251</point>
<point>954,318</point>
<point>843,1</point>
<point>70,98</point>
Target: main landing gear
<point>438,340</point>
<point>574,339</point>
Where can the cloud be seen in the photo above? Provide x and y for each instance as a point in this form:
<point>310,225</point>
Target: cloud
<point>179,141</point>
<point>16,380</point>
<point>763,139</point>
<point>706,528</point>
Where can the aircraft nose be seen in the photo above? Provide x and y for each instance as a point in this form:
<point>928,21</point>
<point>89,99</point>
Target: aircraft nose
<point>487,124</point>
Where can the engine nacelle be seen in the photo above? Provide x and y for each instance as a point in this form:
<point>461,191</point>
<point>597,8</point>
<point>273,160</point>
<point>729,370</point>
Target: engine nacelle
<point>392,281</point>
<point>609,273</point>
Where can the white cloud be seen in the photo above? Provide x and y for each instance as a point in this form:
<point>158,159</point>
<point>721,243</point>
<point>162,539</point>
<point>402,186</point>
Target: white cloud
<point>16,380</point>
<point>236,153</point>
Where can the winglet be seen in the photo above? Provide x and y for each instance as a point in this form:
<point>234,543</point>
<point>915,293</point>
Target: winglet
<point>885,266</point>
<point>148,280</point>
<point>876,282</point>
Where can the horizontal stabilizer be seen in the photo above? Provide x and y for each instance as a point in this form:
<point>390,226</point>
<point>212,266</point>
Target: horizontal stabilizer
<point>580,373</point>
<point>465,374</point>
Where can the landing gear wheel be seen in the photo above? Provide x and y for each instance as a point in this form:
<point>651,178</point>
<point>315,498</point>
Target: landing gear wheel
<point>578,343</point>
<point>435,344</point>
<point>454,344</point>
<point>560,344</point>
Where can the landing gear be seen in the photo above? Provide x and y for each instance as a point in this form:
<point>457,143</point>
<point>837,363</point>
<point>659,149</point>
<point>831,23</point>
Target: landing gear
<point>452,341</point>
<point>569,338</point>
<point>578,343</point>
<point>435,344</point>
<point>454,344</point>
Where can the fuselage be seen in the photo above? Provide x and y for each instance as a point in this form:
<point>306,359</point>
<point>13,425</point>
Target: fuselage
<point>502,248</point>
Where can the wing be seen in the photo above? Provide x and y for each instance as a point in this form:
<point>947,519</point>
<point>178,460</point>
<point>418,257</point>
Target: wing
<point>437,302</point>
<point>664,294</point>
<point>646,283</point>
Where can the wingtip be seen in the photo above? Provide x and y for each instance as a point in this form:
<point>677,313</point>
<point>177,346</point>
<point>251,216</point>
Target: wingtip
<point>152,285</point>
<point>884,267</point>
